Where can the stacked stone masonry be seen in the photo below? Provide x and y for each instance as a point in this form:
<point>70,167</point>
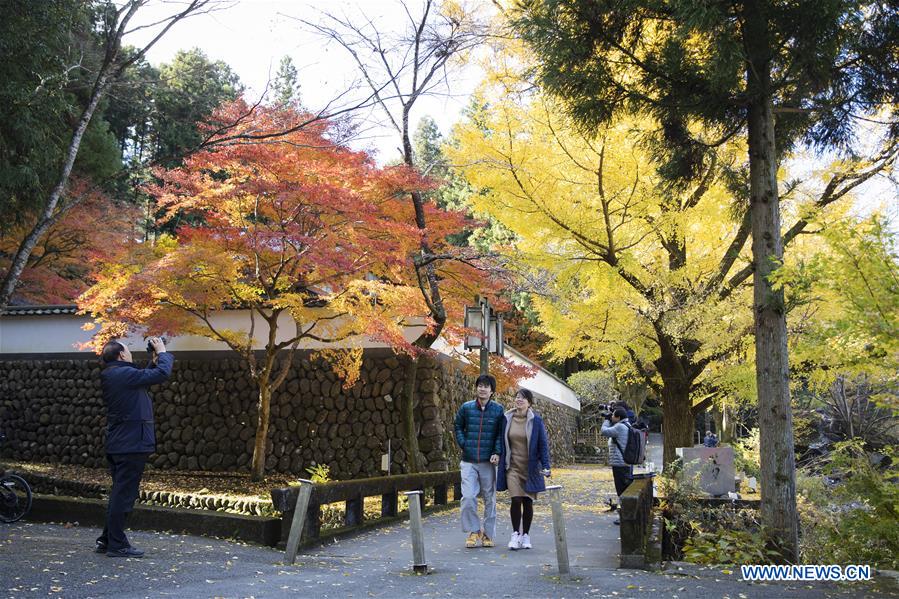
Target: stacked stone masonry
<point>52,411</point>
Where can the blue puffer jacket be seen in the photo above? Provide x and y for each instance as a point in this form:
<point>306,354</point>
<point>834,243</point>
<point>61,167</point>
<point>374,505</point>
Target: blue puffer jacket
<point>538,453</point>
<point>479,431</point>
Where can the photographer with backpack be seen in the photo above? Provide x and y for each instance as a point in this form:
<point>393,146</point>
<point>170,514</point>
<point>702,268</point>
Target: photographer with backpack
<point>624,448</point>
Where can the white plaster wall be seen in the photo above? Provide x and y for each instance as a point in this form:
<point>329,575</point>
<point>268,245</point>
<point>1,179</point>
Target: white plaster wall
<point>45,333</point>
<point>62,333</point>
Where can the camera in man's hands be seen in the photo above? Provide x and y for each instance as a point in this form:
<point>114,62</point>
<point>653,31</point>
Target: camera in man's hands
<point>150,348</point>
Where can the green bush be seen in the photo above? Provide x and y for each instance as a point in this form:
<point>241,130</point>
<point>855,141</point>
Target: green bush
<point>856,520</point>
<point>705,534</point>
<point>320,473</point>
<point>727,546</point>
<point>585,449</point>
<point>679,507</point>
<point>746,454</point>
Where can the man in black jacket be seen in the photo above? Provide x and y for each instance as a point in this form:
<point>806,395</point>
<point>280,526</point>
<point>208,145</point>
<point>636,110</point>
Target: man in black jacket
<point>130,434</point>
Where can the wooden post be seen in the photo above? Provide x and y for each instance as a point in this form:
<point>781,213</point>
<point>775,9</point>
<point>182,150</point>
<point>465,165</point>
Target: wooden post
<point>440,495</point>
<point>555,500</point>
<point>388,504</point>
<point>299,520</point>
<point>313,527</point>
<point>419,563</point>
<point>354,511</point>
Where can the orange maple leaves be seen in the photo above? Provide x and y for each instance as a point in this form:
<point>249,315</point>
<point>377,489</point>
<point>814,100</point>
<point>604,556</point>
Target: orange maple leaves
<point>62,263</point>
<point>275,214</point>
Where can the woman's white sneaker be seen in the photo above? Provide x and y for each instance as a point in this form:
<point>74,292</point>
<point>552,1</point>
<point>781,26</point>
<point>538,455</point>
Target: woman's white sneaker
<point>515,541</point>
<point>524,541</point>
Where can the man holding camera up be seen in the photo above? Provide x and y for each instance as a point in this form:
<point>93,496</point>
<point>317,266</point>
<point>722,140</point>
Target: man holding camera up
<point>615,428</point>
<point>130,434</point>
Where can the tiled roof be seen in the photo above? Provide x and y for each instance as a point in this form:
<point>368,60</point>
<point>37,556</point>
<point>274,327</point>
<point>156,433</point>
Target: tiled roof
<point>37,310</point>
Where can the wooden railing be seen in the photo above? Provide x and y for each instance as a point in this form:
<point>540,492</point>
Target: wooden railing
<point>353,494</point>
<point>636,522</point>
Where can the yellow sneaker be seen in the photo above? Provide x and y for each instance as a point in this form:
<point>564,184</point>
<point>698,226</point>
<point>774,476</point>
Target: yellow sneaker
<point>472,541</point>
<point>486,541</point>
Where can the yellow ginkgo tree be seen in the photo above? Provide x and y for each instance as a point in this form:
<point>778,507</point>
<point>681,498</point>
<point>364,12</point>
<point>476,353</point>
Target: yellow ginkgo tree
<point>630,268</point>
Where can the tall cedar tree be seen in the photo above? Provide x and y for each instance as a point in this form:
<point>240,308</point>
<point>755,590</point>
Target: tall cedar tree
<point>730,68</point>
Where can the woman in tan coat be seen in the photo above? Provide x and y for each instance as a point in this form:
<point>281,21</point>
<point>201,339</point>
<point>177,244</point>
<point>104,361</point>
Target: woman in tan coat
<point>523,464</point>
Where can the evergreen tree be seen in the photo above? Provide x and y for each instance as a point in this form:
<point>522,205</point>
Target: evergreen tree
<point>286,84</point>
<point>191,87</point>
<point>46,52</point>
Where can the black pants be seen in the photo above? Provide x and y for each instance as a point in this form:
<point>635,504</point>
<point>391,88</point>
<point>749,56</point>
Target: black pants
<point>623,477</point>
<point>126,470</point>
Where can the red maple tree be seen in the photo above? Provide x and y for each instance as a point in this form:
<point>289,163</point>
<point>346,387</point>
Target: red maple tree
<point>280,223</point>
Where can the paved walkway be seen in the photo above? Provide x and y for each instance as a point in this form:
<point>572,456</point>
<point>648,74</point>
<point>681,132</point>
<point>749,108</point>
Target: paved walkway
<point>39,560</point>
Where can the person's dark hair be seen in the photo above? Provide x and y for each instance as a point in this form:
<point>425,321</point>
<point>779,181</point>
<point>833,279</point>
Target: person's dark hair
<point>486,378</point>
<point>111,351</point>
<point>526,393</point>
<point>620,413</point>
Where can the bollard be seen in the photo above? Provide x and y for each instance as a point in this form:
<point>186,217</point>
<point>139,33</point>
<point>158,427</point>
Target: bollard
<point>299,520</point>
<point>419,563</point>
<point>555,500</point>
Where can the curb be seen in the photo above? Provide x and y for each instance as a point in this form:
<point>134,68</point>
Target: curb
<point>258,530</point>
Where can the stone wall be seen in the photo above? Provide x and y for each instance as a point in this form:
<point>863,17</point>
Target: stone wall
<point>52,410</point>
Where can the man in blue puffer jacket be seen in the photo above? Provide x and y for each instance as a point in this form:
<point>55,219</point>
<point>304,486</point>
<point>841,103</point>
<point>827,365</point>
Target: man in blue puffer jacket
<point>130,434</point>
<point>479,430</point>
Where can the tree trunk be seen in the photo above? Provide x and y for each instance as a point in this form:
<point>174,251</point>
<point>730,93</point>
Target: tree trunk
<point>720,419</point>
<point>409,385</point>
<point>20,259</point>
<point>257,470</point>
<point>677,420</point>
<point>778,468</point>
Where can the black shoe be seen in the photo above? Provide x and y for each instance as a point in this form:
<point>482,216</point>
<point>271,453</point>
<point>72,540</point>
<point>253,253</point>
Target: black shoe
<point>100,548</point>
<point>617,522</point>
<point>126,552</point>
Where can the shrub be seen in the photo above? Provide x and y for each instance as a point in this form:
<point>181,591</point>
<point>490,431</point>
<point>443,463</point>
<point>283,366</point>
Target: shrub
<point>585,449</point>
<point>319,473</point>
<point>704,534</point>
<point>855,519</point>
<point>727,546</point>
<point>746,454</point>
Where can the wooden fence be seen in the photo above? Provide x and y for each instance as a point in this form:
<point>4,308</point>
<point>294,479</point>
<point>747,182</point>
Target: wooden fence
<point>353,493</point>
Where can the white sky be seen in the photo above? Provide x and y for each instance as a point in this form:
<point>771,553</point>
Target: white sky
<point>251,36</point>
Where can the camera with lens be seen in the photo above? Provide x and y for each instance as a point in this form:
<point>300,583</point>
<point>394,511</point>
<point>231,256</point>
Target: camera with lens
<point>150,348</point>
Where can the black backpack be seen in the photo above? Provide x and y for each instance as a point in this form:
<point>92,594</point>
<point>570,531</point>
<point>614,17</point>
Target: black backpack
<point>634,452</point>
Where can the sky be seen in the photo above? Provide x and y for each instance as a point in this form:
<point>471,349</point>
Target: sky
<point>252,36</point>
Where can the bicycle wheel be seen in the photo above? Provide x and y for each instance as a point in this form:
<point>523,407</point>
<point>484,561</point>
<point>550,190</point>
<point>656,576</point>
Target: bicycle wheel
<point>15,498</point>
